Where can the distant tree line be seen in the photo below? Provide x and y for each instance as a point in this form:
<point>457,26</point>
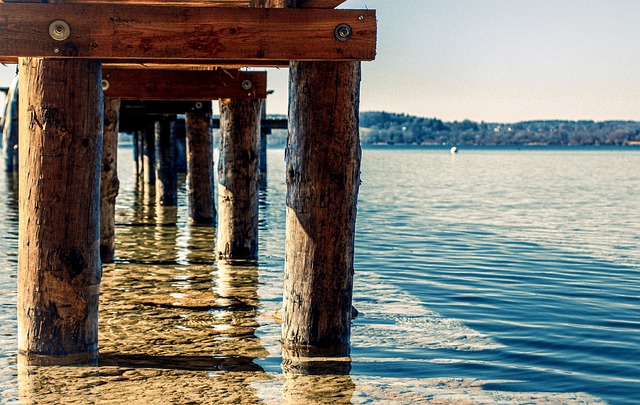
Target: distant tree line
<point>391,128</point>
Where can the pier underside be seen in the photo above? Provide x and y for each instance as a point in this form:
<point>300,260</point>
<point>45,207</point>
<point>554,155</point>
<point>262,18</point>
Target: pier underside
<point>77,59</point>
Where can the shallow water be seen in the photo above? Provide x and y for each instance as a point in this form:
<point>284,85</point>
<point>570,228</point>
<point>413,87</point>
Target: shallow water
<point>491,276</point>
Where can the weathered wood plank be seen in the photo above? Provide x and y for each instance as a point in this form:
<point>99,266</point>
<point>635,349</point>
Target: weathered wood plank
<point>129,31</point>
<point>155,84</point>
<point>319,3</point>
<point>211,3</point>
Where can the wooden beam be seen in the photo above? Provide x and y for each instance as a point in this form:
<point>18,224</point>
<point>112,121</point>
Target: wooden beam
<point>145,107</point>
<point>155,84</point>
<point>319,3</point>
<point>212,3</point>
<point>135,114</point>
<point>158,32</point>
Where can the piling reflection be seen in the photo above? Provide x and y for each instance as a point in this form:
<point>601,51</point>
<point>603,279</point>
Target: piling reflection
<point>12,196</point>
<point>316,380</point>
<point>175,327</point>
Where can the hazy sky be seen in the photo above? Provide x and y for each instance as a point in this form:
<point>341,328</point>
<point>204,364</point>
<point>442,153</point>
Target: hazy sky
<point>497,60</point>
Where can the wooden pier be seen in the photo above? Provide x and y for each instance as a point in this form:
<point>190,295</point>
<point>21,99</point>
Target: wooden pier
<point>84,68</point>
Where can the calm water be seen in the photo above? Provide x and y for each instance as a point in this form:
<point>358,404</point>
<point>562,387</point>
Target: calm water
<point>491,276</point>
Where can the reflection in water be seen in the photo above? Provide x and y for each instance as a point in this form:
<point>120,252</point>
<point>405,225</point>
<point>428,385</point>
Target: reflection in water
<point>174,326</point>
<point>316,380</point>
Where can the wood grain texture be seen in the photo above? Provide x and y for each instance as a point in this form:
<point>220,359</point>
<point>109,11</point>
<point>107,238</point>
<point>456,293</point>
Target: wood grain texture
<point>156,84</point>
<point>323,178</point>
<point>59,267</point>
<point>123,31</point>
<point>200,175</point>
<point>109,183</point>
<point>319,3</point>
<point>238,179</point>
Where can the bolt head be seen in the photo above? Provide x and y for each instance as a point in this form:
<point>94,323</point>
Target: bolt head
<point>343,32</point>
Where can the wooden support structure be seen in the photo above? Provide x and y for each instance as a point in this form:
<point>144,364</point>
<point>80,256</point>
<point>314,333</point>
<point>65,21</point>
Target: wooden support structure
<point>166,170</point>
<point>200,176</point>
<point>165,84</point>
<point>213,35</point>
<point>109,183</point>
<point>238,179</point>
<point>323,178</point>
<point>58,254</point>
<point>61,112</point>
<point>9,139</point>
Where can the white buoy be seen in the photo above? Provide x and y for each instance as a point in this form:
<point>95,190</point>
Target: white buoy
<point>454,150</point>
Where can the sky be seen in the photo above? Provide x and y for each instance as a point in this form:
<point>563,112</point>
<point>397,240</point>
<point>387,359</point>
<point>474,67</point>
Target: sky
<point>496,60</point>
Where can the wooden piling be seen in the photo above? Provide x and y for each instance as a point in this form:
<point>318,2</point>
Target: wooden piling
<point>61,120</point>
<point>149,155</point>
<point>200,176</point>
<point>264,131</point>
<point>166,170</point>
<point>238,178</point>
<point>109,183</point>
<point>139,145</point>
<point>10,129</point>
<point>323,176</point>
<point>180,127</point>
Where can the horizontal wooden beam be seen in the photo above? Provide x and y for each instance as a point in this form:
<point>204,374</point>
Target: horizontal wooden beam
<point>163,107</point>
<point>319,3</point>
<point>159,32</point>
<point>213,3</point>
<point>188,64</point>
<point>268,123</point>
<point>154,84</point>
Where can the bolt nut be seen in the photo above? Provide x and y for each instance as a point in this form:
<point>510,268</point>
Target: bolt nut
<point>59,30</point>
<point>105,85</point>
<point>342,32</point>
<point>246,84</point>
<point>198,105</point>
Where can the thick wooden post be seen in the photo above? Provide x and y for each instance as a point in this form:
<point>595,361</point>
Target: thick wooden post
<point>61,119</point>
<point>323,177</point>
<point>181,146</point>
<point>238,178</point>
<point>264,131</point>
<point>200,169</point>
<point>149,155</point>
<point>109,183</point>
<point>139,140</point>
<point>166,171</point>
<point>136,154</point>
<point>10,129</point>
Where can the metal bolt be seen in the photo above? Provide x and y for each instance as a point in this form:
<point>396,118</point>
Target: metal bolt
<point>59,30</point>
<point>360,18</point>
<point>105,85</point>
<point>198,105</point>
<point>246,84</point>
<point>56,50</point>
<point>342,32</point>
